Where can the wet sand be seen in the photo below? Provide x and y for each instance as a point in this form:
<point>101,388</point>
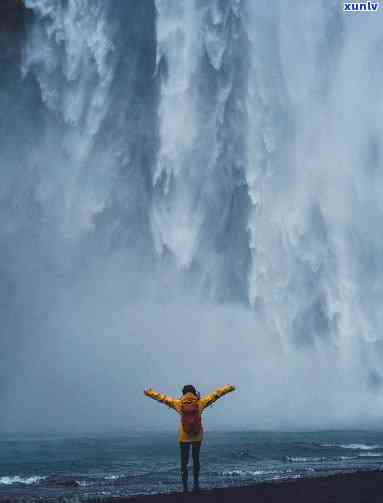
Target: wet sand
<point>359,487</point>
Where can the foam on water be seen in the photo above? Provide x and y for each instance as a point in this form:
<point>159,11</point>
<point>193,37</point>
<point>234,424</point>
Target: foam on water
<point>360,447</point>
<point>352,446</point>
<point>298,459</point>
<point>17,479</point>
<point>244,473</point>
<point>371,455</point>
<point>112,477</point>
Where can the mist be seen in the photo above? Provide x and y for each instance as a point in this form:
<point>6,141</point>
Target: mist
<point>190,192</point>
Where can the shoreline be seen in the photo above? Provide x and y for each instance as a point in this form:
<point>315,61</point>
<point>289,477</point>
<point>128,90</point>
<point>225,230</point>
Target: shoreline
<point>352,487</point>
<point>355,487</point>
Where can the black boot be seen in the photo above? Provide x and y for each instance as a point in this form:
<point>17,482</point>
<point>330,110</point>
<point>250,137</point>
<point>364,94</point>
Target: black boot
<point>196,487</point>
<point>185,481</point>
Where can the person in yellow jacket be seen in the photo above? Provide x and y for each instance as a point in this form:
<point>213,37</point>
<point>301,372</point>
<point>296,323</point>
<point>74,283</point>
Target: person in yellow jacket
<point>190,407</point>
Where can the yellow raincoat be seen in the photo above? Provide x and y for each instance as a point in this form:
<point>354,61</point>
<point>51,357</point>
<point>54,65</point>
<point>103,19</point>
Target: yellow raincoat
<point>176,404</point>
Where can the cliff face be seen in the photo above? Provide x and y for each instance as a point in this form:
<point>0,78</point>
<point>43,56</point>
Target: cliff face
<point>12,15</point>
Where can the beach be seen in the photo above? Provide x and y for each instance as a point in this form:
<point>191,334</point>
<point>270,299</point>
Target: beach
<point>359,487</point>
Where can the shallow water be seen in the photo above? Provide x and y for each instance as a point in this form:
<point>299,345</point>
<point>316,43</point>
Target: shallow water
<point>109,465</point>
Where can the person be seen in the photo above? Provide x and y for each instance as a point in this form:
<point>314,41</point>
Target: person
<point>190,407</point>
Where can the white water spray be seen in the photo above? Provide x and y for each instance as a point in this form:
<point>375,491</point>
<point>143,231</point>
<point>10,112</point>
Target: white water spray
<point>204,171</point>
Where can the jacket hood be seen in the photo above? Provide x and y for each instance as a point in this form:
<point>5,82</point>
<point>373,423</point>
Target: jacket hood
<point>189,398</point>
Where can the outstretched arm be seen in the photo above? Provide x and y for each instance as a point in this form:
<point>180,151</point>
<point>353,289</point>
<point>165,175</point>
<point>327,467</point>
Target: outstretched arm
<point>212,397</point>
<point>167,400</point>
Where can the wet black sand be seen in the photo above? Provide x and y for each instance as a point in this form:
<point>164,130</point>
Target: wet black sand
<point>359,487</point>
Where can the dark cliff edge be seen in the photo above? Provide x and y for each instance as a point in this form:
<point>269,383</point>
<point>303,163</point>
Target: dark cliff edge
<point>12,15</point>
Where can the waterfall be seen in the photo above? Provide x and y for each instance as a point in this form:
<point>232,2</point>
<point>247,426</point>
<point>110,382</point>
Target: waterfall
<point>199,164</point>
<point>305,178</point>
<point>176,216</point>
<point>203,170</point>
<point>71,55</point>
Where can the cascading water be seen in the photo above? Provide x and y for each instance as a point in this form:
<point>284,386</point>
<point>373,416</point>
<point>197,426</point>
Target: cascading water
<point>195,176</point>
<point>192,177</point>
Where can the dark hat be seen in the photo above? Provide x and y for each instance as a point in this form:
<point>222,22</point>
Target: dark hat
<point>188,388</point>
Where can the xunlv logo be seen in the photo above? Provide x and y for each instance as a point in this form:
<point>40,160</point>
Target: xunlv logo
<point>361,7</point>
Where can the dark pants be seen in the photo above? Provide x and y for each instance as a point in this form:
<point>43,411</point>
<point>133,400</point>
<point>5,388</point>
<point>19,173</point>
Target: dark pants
<point>185,451</point>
